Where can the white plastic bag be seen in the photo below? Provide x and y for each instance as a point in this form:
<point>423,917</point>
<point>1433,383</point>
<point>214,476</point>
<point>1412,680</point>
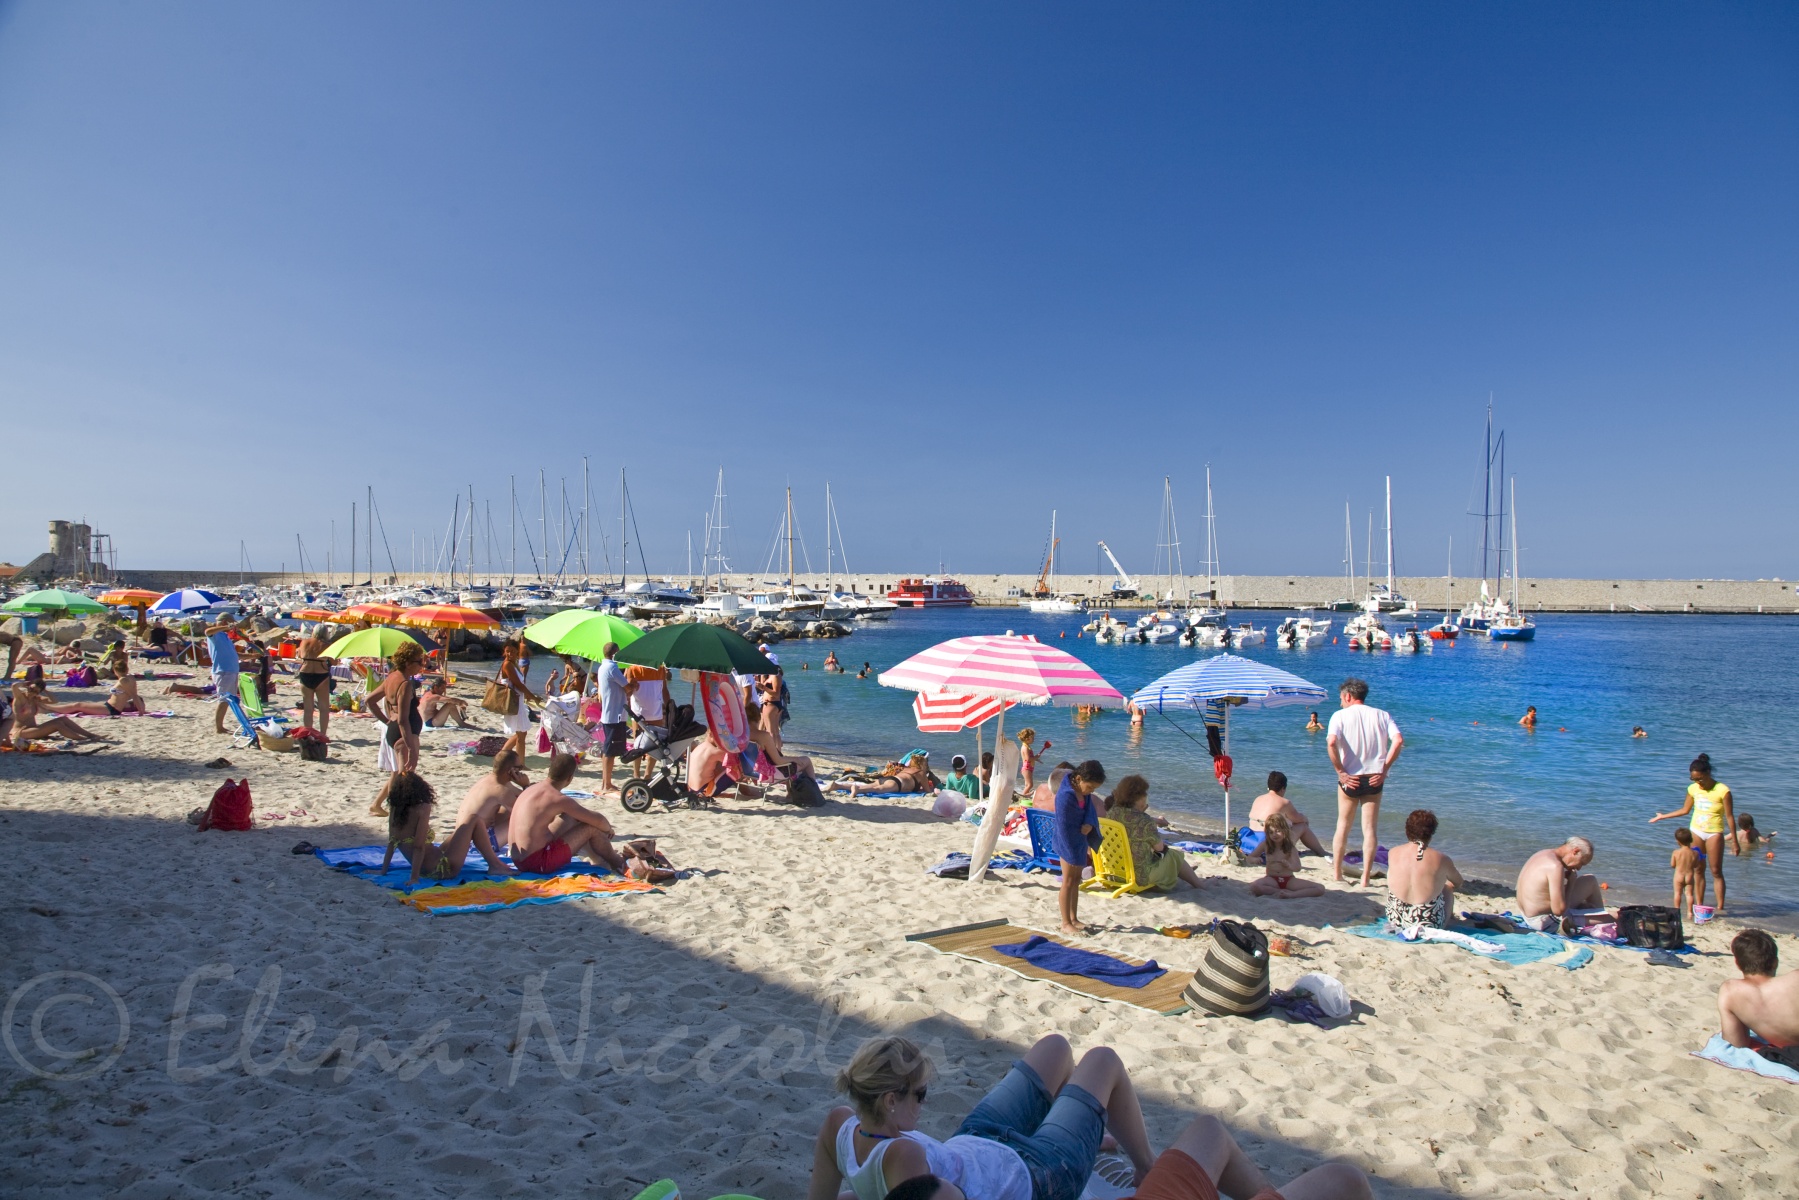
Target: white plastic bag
<point>1327,990</point>
<point>949,804</point>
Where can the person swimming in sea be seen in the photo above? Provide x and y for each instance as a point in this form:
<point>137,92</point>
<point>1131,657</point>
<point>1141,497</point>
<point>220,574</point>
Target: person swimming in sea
<point>1637,731</point>
<point>1529,719</point>
<point>1314,725</point>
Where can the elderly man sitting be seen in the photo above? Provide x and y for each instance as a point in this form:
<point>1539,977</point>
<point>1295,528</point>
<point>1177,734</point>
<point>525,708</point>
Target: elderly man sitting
<point>1759,1011</point>
<point>1551,889</point>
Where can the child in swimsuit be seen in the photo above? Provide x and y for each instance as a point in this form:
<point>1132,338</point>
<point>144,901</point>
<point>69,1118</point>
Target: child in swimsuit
<point>1689,873</point>
<point>1279,856</point>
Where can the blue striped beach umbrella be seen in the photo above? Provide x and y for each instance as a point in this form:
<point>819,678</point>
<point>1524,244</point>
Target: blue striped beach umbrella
<point>186,600</point>
<point>1214,686</point>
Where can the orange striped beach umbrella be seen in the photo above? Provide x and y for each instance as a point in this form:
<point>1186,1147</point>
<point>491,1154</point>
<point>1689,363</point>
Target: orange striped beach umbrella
<point>447,616</point>
<point>379,614</point>
<point>315,614</point>
<point>129,597</point>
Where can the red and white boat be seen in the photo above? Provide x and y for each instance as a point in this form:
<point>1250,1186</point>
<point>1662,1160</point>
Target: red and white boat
<point>930,592</point>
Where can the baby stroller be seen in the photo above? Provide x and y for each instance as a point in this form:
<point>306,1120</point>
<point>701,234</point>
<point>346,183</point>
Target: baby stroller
<point>667,782</point>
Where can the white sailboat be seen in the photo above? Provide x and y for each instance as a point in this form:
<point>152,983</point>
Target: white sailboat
<point>1051,604</point>
<point>1513,626</point>
<point>1207,614</point>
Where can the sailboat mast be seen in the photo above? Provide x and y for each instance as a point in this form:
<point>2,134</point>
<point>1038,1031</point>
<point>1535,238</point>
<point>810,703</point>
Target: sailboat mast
<point>1389,537</point>
<point>543,521</point>
<point>1520,611</point>
<point>587,528</point>
<point>512,523</point>
<point>1486,503</point>
<point>1052,551</point>
<point>352,541</point>
<point>790,537</point>
<point>1348,552</point>
<point>471,535</point>
<point>370,519</point>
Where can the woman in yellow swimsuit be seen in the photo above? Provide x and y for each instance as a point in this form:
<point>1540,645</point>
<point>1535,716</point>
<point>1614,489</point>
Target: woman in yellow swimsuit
<point>1710,802</point>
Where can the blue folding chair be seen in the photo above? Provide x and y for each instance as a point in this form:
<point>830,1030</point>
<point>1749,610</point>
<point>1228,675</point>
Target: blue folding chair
<point>247,728</point>
<point>1042,825</point>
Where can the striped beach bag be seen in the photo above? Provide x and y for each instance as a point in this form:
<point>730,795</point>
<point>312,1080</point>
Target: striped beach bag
<point>1232,980</point>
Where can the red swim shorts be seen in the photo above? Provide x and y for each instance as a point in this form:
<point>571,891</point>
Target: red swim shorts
<point>547,861</point>
<point>1175,1176</point>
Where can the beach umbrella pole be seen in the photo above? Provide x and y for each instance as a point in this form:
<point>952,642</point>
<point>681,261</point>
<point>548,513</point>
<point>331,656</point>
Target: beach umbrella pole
<point>1225,740</point>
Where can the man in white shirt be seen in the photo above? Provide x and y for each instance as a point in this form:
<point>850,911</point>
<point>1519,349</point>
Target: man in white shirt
<point>1363,743</point>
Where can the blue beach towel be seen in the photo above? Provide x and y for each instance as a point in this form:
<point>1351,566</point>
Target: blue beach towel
<point>1619,944</point>
<point>1039,951</point>
<point>1519,948</point>
<point>1740,1059</point>
<point>364,862</point>
<point>1190,847</point>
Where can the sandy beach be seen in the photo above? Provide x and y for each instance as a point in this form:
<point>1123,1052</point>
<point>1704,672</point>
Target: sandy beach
<point>259,1025</point>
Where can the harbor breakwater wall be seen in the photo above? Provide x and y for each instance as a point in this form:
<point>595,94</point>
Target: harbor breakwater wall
<point>1234,591</point>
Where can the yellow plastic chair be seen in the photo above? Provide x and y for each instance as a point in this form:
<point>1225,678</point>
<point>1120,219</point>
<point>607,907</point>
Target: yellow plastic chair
<point>1113,870</point>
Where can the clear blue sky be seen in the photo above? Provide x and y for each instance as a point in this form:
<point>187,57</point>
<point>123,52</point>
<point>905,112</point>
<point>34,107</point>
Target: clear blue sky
<point>968,262</point>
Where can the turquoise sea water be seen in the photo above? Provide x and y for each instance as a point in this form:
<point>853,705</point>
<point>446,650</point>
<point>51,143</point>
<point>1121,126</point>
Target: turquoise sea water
<point>1719,684</point>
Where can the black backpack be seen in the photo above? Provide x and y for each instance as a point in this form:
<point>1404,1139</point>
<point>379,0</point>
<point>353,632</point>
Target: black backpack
<point>802,791</point>
<point>1655,926</point>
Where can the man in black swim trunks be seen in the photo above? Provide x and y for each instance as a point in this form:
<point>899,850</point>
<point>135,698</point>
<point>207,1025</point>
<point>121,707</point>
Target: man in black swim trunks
<point>1363,743</point>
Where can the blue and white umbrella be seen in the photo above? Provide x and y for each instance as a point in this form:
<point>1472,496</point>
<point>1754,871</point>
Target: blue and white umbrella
<point>186,600</point>
<point>1216,685</point>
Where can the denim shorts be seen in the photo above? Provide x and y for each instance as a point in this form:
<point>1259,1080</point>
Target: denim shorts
<point>1057,1136</point>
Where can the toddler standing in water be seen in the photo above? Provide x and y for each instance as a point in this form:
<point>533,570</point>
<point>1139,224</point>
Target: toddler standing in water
<point>1689,873</point>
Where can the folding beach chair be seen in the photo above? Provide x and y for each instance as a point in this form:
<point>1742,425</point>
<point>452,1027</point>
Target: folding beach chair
<point>250,725</point>
<point>1113,870</point>
<point>1042,826</point>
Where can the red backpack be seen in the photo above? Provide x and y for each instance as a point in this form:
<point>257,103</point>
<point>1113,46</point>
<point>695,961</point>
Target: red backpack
<point>230,807</point>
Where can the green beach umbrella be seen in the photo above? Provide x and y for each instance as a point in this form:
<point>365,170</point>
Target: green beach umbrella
<point>53,600</point>
<point>588,637</point>
<point>573,628</point>
<point>698,647</point>
<point>379,642</point>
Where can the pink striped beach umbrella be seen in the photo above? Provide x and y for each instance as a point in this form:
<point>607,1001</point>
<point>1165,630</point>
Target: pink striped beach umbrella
<point>1007,666</point>
<point>952,714</point>
<point>1002,667</point>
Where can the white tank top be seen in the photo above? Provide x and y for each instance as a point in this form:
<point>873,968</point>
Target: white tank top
<point>982,1169</point>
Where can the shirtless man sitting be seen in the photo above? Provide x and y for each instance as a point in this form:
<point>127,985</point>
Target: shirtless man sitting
<point>487,805</point>
<point>30,703</point>
<point>548,828</point>
<point>1759,1006</point>
<point>1550,886</point>
<point>436,703</point>
<point>1274,800</point>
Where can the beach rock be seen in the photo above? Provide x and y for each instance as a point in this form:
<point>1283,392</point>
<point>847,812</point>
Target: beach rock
<point>65,632</point>
<point>827,629</point>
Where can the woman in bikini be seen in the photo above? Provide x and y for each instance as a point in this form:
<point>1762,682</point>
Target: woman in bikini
<point>315,681</point>
<point>831,663</point>
<point>124,696</point>
<point>29,703</point>
<point>894,777</point>
<point>410,801</point>
<point>1279,856</point>
<point>765,731</point>
<point>1421,885</point>
<point>395,704</point>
